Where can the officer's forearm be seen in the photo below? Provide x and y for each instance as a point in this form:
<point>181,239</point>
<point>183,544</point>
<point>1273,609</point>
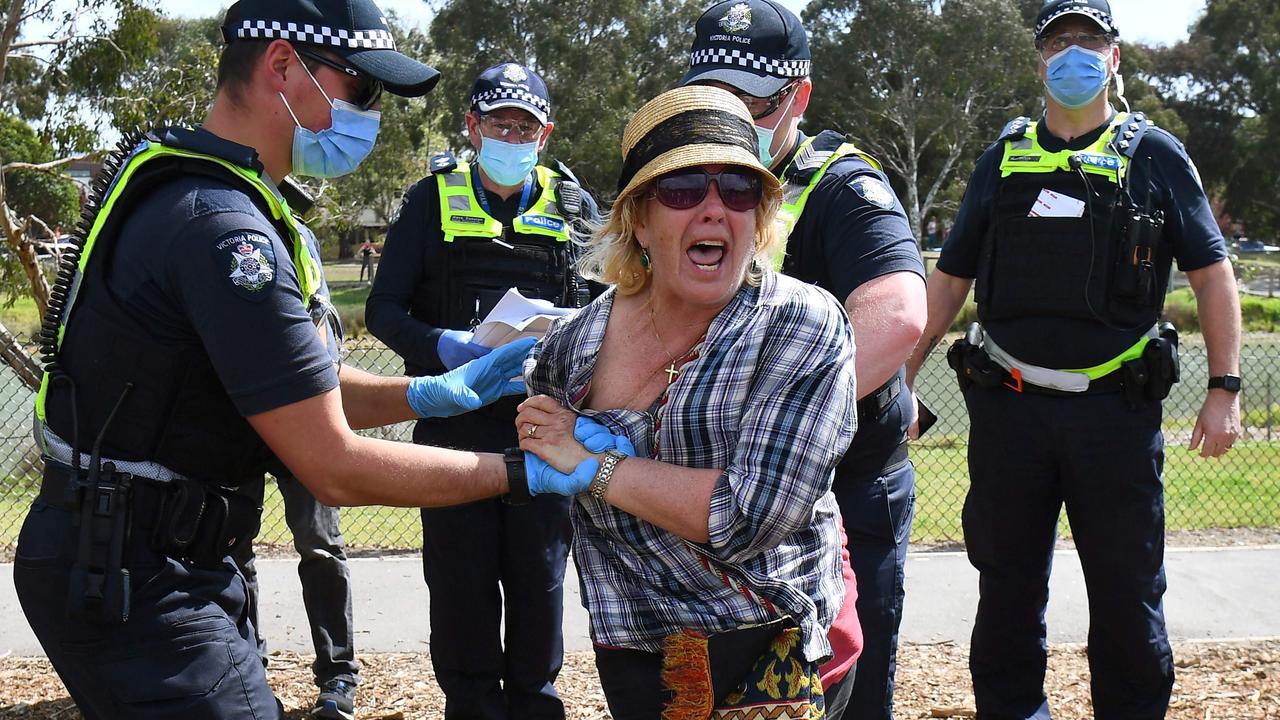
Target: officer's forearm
<point>888,315</point>
<point>342,468</point>
<point>946,295</point>
<point>370,400</point>
<point>1218,302</point>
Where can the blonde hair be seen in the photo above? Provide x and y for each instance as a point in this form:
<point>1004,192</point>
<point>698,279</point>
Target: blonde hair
<point>612,254</point>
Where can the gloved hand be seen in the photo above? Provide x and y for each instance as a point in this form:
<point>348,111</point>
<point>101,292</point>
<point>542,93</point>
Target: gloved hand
<point>455,348</point>
<point>472,385</point>
<point>596,439</point>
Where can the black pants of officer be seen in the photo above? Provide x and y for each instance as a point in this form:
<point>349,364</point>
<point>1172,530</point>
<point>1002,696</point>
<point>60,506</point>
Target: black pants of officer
<point>877,513</point>
<point>187,650</point>
<point>1029,455</point>
<point>325,577</point>
<point>495,573</point>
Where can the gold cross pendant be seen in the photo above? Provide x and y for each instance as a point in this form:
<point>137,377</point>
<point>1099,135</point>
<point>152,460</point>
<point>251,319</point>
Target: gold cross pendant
<point>672,372</point>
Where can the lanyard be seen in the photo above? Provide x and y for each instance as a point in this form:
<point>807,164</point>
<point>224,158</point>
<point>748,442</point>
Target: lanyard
<point>483,197</point>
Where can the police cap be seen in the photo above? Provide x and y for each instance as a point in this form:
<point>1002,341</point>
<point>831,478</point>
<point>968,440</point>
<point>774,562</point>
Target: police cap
<point>1099,11</point>
<point>756,46</point>
<point>356,30</point>
<point>511,85</point>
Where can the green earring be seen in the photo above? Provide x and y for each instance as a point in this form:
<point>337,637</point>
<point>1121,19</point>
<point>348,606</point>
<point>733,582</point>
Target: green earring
<point>644,258</point>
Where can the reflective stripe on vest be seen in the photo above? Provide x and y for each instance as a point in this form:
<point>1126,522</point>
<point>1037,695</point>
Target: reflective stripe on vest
<point>796,194</point>
<point>307,269</point>
<point>462,216</point>
<point>1026,155</point>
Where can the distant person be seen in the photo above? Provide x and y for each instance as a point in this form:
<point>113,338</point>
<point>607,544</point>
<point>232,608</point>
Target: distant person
<point>464,236</point>
<point>367,253</point>
<point>1070,225</point>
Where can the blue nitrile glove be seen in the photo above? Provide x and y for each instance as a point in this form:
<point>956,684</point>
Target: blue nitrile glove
<point>596,439</point>
<point>472,385</point>
<point>455,348</point>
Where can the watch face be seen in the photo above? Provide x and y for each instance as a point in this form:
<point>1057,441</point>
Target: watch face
<point>1230,383</point>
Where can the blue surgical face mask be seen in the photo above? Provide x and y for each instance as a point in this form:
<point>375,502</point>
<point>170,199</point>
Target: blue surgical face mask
<point>338,149</point>
<point>1075,76</point>
<point>764,136</point>
<point>507,164</point>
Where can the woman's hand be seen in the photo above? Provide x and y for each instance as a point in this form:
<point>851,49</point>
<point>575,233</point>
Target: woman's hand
<point>547,429</point>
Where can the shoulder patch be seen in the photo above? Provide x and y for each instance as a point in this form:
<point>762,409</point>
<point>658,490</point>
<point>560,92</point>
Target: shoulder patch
<point>249,261</point>
<point>874,191</point>
<point>1016,128</point>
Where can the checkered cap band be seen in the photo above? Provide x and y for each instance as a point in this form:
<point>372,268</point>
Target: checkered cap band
<point>1103,19</point>
<point>490,96</point>
<point>317,34</point>
<point>750,61</point>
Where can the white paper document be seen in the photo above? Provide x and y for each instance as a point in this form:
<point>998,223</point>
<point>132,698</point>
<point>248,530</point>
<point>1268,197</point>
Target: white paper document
<point>1051,204</point>
<point>516,316</point>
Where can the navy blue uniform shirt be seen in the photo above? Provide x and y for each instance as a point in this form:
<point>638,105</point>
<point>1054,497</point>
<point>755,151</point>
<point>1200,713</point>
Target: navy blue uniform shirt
<point>1160,172</point>
<point>848,235</point>
<point>179,265</point>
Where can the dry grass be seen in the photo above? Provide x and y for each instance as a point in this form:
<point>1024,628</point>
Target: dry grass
<point>1216,681</point>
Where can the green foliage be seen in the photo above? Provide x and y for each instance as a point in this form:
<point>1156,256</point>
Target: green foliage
<point>51,197</point>
<point>893,74</point>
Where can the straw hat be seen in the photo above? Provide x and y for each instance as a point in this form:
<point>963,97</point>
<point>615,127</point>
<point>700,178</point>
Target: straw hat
<point>687,127</point>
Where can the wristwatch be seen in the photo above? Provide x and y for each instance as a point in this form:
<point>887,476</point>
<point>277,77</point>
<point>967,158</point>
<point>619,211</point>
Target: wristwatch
<point>600,482</point>
<point>517,481</point>
<point>1230,383</point>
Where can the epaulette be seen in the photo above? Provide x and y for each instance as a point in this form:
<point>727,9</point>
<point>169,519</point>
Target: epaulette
<point>1130,132</point>
<point>1016,128</point>
<point>443,163</point>
<point>813,156</point>
<point>300,201</point>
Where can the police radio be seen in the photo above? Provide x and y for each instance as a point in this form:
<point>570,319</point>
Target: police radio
<point>569,198</point>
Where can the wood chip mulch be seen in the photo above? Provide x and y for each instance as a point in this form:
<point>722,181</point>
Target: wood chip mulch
<point>1215,681</point>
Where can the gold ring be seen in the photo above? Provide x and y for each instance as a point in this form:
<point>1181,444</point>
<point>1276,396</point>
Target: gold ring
<point>532,429</point>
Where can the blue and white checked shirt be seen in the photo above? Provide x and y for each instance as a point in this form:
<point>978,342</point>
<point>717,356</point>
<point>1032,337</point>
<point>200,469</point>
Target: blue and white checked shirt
<point>771,400</point>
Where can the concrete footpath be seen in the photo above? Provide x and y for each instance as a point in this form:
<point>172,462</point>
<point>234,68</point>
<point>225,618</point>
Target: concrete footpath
<point>1213,594</point>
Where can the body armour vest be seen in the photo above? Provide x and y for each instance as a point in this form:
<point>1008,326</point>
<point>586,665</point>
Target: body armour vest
<point>1059,247</point>
<point>169,407</point>
<point>482,259</point>
<point>811,162</point>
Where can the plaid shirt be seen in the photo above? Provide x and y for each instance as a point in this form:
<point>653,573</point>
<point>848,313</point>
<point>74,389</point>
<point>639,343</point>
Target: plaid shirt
<point>770,400</point>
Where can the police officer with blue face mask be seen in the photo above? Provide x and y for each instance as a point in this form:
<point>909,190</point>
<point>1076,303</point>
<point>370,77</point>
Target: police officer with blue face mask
<point>465,235</point>
<point>182,359</point>
<point>1070,225</point>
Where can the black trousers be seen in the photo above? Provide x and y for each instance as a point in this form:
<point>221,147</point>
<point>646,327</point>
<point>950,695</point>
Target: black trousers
<point>496,577</point>
<point>1029,456</point>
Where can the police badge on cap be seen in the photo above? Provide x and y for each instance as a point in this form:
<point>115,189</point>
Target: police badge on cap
<point>756,46</point>
<point>511,85</point>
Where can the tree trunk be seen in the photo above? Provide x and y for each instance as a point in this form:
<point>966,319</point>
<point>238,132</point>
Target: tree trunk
<point>13,354</point>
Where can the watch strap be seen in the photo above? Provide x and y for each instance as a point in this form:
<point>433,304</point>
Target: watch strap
<point>1228,382</point>
<point>600,483</point>
<point>517,480</point>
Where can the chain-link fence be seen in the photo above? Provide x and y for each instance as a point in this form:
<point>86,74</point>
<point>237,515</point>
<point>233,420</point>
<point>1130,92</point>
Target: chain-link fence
<point>1231,492</point>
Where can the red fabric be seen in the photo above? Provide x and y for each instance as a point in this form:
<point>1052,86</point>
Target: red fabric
<point>845,634</point>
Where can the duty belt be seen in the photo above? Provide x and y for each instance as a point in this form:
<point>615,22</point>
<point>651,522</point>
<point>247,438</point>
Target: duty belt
<point>879,399</point>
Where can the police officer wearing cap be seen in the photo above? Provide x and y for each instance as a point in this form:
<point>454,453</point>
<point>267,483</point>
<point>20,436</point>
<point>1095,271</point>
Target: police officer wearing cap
<point>1070,225</point>
<point>182,358</point>
<point>465,235</point>
<point>847,233</point>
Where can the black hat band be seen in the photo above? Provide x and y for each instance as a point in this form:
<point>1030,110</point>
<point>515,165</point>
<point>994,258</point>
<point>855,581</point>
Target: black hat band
<point>314,34</point>
<point>692,127</point>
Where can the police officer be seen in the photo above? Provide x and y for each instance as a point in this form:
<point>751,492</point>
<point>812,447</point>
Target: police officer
<point>465,235</point>
<point>847,233</point>
<point>1070,224</point>
<point>181,359</point>
<point>322,557</point>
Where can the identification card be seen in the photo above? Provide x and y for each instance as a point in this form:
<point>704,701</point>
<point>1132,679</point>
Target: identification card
<point>1051,204</point>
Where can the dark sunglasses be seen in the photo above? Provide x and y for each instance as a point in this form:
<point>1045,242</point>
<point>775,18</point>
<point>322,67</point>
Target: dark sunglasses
<point>368,91</point>
<point>740,190</point>
<point>762,107</point>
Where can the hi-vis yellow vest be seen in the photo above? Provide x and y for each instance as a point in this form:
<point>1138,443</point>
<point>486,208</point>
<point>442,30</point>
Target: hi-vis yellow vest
<point>795,192</point>
<point>462,216</point>
<point>1025,155</point>
<point>307,267</point>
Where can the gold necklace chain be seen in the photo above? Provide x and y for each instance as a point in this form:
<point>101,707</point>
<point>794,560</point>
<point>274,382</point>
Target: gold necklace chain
<point>673,372</point>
